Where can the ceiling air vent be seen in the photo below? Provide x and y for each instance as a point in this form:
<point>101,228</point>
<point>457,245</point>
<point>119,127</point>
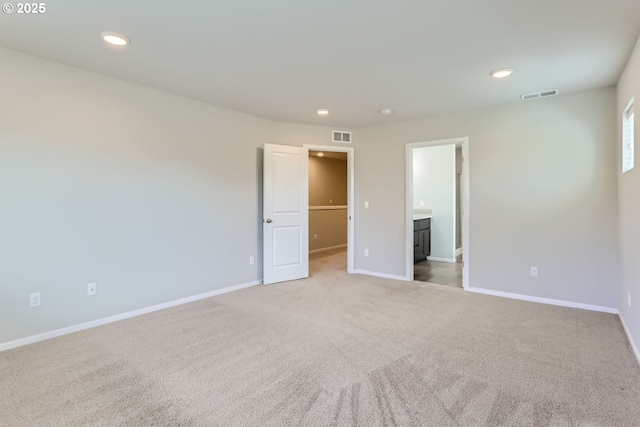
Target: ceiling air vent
<point>340,136</point>
<point>539,94</point>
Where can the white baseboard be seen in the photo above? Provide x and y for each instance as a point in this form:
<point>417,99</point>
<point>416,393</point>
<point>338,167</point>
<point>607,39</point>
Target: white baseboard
<point>330,248</point>
<point>383,275</point>
<point>630,338</point>
<point>99,322</point>
<point>549,301</point>
<point>433,258</point>
<point>458,252</point>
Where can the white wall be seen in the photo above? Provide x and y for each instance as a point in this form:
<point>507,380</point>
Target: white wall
<point>434,183</point>
<point>542,193</point>
<point>629,203</point>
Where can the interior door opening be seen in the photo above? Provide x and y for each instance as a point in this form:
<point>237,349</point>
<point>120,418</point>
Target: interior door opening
<point>437,212</point>
<point>331,204</point>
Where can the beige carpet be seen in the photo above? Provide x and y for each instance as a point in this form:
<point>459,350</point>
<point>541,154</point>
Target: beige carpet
<point>332,350</point>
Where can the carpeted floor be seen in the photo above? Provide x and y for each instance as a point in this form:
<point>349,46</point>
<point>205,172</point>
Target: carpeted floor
<point>332,350</point>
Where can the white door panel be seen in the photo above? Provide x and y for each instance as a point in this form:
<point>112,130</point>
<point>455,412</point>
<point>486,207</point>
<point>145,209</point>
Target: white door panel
<point>286,241</point>
<point>286,213</point>
<point>286,172</point>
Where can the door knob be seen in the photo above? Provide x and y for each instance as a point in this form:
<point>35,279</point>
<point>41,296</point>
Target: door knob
<point>269,221</point>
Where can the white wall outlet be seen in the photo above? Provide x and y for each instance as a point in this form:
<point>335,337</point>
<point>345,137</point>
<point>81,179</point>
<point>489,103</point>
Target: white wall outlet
<point>366,252</point>
<point>629,299</point>
<point>534,271</point>
<point>366,205</point>
<point>315,237</point>
<point>34,299</point>
<point>422,203</point>
<point>92,288</point>
<point>252,260</point>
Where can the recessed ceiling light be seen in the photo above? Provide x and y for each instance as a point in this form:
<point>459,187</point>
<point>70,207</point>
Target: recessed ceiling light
<point>321,154</point>
<point>501,73</point>
<point>115,38</point>
<point>322,112</point>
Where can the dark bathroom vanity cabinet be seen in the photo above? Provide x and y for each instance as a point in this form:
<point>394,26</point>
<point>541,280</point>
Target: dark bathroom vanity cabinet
<point>421,239</point>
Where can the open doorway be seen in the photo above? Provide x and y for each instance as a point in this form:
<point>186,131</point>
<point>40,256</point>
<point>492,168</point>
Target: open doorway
<point>331,204</point>
<point>437,213</point>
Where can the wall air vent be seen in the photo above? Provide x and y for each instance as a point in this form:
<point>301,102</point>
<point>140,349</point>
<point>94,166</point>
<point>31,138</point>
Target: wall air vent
<point>540,94</point>
<point>340,136</point>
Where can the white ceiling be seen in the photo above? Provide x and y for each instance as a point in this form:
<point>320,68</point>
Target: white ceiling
<point>283,59</point>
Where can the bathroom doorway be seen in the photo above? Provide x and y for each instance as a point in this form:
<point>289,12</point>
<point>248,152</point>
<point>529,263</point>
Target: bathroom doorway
<point>437,213</point>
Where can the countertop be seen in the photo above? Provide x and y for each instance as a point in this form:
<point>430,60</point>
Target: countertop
<point>417,216</point>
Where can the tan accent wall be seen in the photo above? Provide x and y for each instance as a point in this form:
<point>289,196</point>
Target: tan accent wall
<point>327,228</point>
<point>327,181</point>
<point>327,187</point>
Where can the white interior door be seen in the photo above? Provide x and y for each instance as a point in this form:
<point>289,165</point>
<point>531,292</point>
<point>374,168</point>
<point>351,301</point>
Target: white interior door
<point>286,213</point>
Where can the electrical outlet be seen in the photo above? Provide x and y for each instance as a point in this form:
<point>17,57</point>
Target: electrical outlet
<point>330,201</point>
<point>92,288</point>
<point>366,252</point>
<point>366,205</point>
<point>252,260</point>
<point>422,203</point>
<point>315,237</point>
<point>534,271</point>
<point>34,299</point>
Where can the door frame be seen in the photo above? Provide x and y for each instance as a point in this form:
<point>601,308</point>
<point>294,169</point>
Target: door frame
<point>350,197</point>
<point>464,202</point>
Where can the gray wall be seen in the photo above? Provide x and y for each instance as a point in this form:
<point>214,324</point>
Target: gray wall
<point>542,193</point>
<point>153,196</point>
<point>434,183</point>
<point>629,199</point>
<point>150,195</point>
<point>157,197</point>
<point>458,197</point>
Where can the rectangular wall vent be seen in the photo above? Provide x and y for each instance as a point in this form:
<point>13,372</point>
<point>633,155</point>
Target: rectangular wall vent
<point>539,94</point>
<point>340,136</point>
